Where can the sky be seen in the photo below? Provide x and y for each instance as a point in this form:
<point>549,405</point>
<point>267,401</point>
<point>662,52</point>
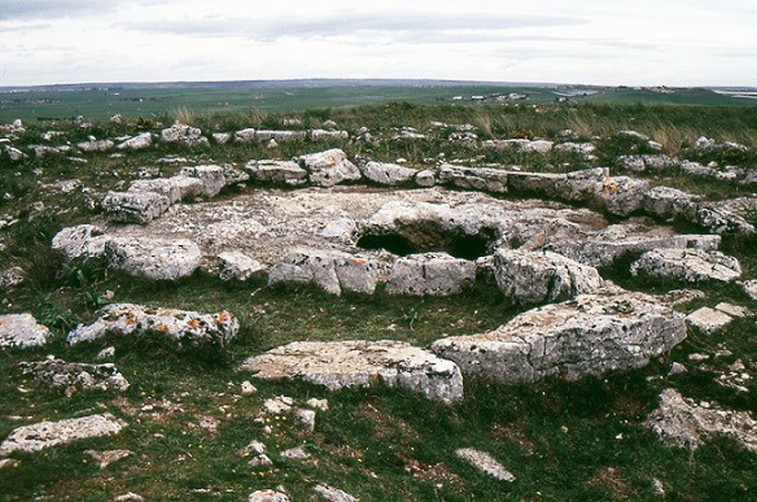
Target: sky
<point>660,42</point>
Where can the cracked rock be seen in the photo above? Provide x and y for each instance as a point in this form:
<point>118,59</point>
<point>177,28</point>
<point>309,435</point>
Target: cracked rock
<point>329,168</point>
<point>437,274</point>
<point>134,207</point>
<point>688,265</point>
<point>57,373</point>
<point>155,259</point>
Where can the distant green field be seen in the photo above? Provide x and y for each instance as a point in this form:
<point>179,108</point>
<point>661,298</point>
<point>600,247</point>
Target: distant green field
<point>221,99</point>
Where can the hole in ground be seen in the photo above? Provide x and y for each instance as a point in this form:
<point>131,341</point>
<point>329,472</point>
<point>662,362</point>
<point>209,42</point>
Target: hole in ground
<point>469,247</point>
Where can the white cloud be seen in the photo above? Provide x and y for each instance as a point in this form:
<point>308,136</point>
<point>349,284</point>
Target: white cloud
<point>676,43</point>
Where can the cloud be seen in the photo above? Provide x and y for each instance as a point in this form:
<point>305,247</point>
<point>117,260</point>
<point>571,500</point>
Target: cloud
<point>272,29</point>
<point>54,9</point>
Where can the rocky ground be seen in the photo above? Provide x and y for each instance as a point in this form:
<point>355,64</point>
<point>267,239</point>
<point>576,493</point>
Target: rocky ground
<point>291,311</point>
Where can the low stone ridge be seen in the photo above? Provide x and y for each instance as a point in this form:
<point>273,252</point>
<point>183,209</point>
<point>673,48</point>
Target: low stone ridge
<point>36,437</point>
<point>536,277</point>
<point>22,331</point>
<point>333,494</point>
<point>387,174</point>
<point>134,207</point>
<point>284,172</point>
<point>333,271</point>
<point>434,274</point>
<point>680,422</point>
<point>361,364</point>
<point>485,463</point>
<point>238,266</point>
<point>536,146</point>
<point>329,168</point>
<point>185,328</point>
<point>590,335</point>
<point>474,178</point>
<point>576,186</point>
<point>59,374</point>
<point>160,260</point>
<point>688,265</point>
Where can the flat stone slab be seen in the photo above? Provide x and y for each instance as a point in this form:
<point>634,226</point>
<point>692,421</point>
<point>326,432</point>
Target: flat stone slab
<point>161,260</point>
<point>185,328</point>
<point>708,321</point>
<point>431,274</point>
<point>356,363</point>
<point>689,265</point>
<point>681,422</point>
<point>485,463</point>
<point>36,437</point>
<point>590,335</point>
<point>22,330</point>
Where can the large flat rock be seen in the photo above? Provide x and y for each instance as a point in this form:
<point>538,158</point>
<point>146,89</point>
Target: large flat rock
<point>22,330</point>
<point>361,364</point>
<point>36,437</point>
<point>590,335</point>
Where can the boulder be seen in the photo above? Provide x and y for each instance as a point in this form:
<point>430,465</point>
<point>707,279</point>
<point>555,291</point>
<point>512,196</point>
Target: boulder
<point>36,437</point>
<point>387,174</point>
<point>621,195</point>
<point>245,135</point>
<point>642,163</point>
<point>333,271</point>
<point>267,496</point>
<point>184,134</point>
<point>138,142</point>
<point>22,331</point>
<point>485,463</point>
<point>284,172</point>
<point>175,188</point>
<point>94,145</point>
<point>585,149</point>
<point>425,178</point>
<point>682,423</point>
<point>474,178</point>
<point>221,138</point>
<point>535,277</point>
<point>81,240</point>
<point>152,258</point>
<point>668,203</point>
<point>708,321</point>
<point>329,168</point>
<point>434,274</point>
<point>59,374</point>
<point>750,288</point>
<point>239,267</point>
<point>333,494</point>
<point>10,278</point>
<point>134,207</point>
<point>212,178</point>
<point>590,335</point>
<point>185,328</point>
<point>688,265</point>
<point>719,221</point>
<point>336,365</point>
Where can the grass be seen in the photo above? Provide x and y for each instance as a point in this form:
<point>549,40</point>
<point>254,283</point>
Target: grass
<point>563,440</point>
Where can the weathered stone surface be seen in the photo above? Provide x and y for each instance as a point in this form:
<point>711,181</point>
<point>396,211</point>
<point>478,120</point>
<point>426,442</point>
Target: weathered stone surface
<point>387,174</point>
<point>333,494</point>
<point>175,188</point>
<point>296,453</point>
<point>238,266</point>
<point>81,240</point>
<point>750,288</point>
<point>244,135</point>
<point>221,138</point>
<point>57,373</point>
<point>185,328</point>
<point>36,437</point>
<point>436,274</point>
<point>279,136</point>
<point>535,277</point>
<point>667,203</point>
<point>719,221</point>
<point>733,310</point>
<point>212,178</point>
<point>184,134</point>
<point>585,149</point>
<point>576,186</point>
<point>680,422</point>
<point>329,168</point>
<point>332,271</point>
<point>94,145</point>
<point>642,163</point>
<point>621,195</point>
<point>474,178</point>
<point>129,497</point>
<point>360,364</point>
<point>106,457</point>
<point>286,172</point>
<point>689,265</point>
<point>524,145</point>
<point>425,178</point>
<point>485,463</point>
<point>708,321</point>
<point>267,496</point>
<point>322,134</point>
<point>134,207</point>
<point>138,142</point>
<point>590,335</point>
<point>11,278</point>
<point>22,330</point>
<point>153,258</point>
